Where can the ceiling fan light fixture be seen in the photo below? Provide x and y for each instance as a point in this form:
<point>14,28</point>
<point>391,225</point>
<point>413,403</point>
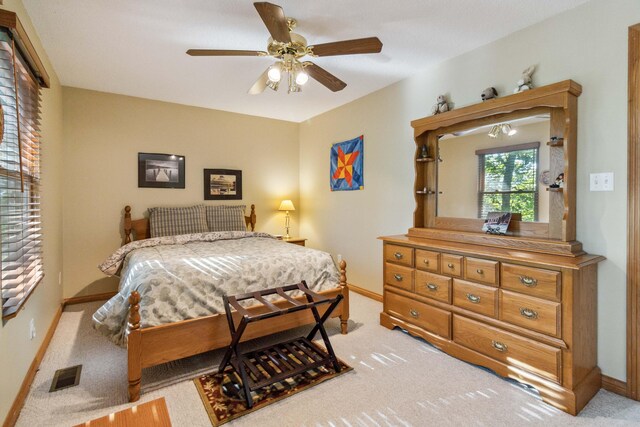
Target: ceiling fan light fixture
<point>293,86</point>
<point>273,85</point>
<point>294,89</point>
<point>508,130</point>
<point>275,72</point>
<point>504,128</point>
<point>302,77</point>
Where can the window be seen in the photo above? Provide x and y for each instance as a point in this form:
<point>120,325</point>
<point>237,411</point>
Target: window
<point>20,224</point>
<point>508,180</point>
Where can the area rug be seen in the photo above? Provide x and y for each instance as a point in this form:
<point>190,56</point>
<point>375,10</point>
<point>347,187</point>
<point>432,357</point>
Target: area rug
<point>223,395</point>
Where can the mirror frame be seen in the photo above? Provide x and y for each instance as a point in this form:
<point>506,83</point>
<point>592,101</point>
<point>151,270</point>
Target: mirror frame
<point>560,101</point>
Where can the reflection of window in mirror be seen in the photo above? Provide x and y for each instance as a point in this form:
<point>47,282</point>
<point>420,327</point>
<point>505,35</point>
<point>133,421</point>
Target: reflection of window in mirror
<point>507,178</point>
<point>460,184</point>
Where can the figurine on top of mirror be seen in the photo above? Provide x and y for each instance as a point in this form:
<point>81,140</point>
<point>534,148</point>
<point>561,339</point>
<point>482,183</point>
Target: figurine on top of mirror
<point>441,107</point>
<point>489,93</point>
<point>559,183</point>
<point>525,82</point>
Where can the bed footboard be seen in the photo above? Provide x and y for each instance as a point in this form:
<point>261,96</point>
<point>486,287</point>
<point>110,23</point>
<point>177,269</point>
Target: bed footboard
<point>160,344</point>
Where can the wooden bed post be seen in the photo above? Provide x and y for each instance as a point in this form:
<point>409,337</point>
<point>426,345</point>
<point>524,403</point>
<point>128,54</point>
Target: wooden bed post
<point>127,224</point>
<point>252,217</point>
<point>134,347</point>
<point>344,287</point>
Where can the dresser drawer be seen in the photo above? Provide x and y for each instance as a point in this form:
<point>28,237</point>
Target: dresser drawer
<point>399,255</point>
<point>399,276</point>
<point>451,265</point>
<point>508,348</point>
<point>532,281</point>
<point>481,270</point>
<point>479,298</point>
<point>425,316</point>
<point>433,286</point>
<point>532,313</point>
<point>427,260</point>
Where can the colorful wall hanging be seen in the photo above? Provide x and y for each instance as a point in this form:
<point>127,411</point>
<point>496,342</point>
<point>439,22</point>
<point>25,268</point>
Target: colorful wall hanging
<point>347,165</point>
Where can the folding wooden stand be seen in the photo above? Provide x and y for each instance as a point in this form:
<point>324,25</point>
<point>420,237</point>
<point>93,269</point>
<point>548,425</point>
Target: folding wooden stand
<point>277,362</point>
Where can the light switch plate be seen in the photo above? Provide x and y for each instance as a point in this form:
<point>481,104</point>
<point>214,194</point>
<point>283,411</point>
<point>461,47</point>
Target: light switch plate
<point>601,181</point>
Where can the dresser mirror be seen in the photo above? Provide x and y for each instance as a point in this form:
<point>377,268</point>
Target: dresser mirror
<point>497,167</point>
<point>535,135</point>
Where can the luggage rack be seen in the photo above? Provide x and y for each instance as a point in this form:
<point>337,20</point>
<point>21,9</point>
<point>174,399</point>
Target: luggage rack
<point>274,363</point>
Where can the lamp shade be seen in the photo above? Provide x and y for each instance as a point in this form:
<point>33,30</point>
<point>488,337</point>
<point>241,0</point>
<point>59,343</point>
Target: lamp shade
<point>286,205</point>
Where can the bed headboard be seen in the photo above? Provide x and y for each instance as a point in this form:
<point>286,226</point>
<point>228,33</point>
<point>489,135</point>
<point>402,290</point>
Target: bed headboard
<point>141,230</point>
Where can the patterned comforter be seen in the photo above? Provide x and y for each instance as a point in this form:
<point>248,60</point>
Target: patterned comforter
<point>184,277</point>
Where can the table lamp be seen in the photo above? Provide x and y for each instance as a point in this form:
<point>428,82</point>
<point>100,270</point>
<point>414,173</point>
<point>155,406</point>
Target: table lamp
<point>286,205</point>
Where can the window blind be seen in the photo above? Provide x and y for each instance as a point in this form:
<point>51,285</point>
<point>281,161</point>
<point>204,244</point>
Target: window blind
<point>508,180</point>
<point>20,221</point>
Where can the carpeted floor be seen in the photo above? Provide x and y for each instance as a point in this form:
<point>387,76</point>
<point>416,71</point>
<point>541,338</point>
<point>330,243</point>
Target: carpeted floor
<point>397,381</point>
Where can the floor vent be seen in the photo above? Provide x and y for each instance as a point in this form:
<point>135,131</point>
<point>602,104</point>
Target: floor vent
<point>65,378</point>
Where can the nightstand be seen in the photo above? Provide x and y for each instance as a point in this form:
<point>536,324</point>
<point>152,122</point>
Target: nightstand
<point>295,240</point>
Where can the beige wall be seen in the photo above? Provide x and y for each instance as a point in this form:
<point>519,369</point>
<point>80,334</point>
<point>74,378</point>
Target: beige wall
<point>587,44</point>
<point>103,135</point>
<point>17,350</point>
<point>458,172</point>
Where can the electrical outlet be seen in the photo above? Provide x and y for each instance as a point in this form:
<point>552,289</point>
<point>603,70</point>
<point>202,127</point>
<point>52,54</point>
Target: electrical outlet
<point>32,329</point>
<point>60,278</point>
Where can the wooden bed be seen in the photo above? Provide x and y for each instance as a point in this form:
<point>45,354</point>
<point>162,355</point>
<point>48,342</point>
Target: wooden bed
<point>160,344</point>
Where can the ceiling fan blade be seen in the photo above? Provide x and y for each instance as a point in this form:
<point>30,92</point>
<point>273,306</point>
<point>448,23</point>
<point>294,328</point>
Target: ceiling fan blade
<point>273,17</point>
<point>324,77</point>
<point>348,47</point>
<point>222,52</point>
<point>260,85</point>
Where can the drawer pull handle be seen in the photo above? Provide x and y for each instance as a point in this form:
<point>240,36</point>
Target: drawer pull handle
<point>414,313</point>
<point>426,261</point>
<point>529,282</point>
<point>480,271</point>
<point>432,286</point>
<point>450,265</point>
<point>398,277</point>
<point>473,298</point>
<point>398,255</point>
<point>528,313</point>
<point>501,347</point>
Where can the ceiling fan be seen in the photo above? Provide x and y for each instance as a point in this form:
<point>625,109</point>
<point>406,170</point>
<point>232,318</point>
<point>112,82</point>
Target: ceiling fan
<point>288,48</point>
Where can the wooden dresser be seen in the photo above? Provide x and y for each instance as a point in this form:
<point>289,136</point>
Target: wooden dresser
<point>526,316</point>
<point>522,304</point>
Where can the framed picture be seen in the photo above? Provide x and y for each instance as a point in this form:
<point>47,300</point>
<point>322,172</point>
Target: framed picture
<point>160,170</point>
<point>222,184</point>
<point>497,222</point>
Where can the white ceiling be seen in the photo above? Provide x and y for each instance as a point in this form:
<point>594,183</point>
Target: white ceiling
<point>137,47</point>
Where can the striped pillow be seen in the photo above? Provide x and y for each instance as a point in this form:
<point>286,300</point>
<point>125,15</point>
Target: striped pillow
<point>226,218</point>
<point>175,221</point>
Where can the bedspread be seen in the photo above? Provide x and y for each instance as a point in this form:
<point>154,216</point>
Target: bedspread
<point>187,279</point>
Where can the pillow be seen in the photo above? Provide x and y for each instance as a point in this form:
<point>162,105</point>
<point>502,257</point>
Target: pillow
<point>174,221</point>
<point>226,218</point>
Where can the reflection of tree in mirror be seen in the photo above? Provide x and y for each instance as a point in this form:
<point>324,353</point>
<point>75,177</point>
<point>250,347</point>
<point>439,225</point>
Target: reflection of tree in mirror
<point>509,183</point>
